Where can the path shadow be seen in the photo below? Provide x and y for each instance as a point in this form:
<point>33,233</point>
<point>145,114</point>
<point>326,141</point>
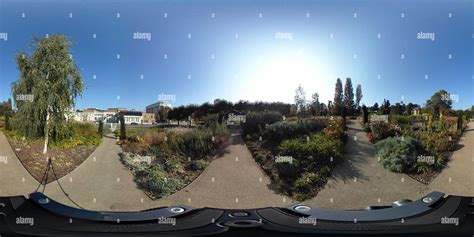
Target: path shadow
<point>355,152</point>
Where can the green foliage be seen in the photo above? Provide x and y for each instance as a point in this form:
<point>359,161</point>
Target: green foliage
<point>398,155</point>
<point>459,122</point>
<point>256,121</point>
<point>123,131</point>
<point>439,102</point>
<point>435,143</point>
<point>349,97</point>
<point>51,79</point>
<point>382,130</point>
<point>365,114</point>
<point>79,134</point>
<point>158,182</point>
<point>199,164</point>
<point>284,130</point>
<point>306,184</point>
<point>101,128</point>
<point>7,121</point>
<point>196,144</point>
<point>310,155</point>
<point>338,98</point>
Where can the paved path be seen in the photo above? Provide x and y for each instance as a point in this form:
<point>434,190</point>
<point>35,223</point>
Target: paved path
<point>102,183</point>
<point>361,181</point>
<point>14,178</point>
<point>232,181</point>
<point>458,177</point>
<point>236,181</point>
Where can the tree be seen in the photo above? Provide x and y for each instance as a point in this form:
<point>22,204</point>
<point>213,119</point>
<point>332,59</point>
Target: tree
<point>358,94</point>
<point>123,131</point>
<point>440,102</point>
<point>374,107</point>
<point>410,107</point>
<point>385,108</point>
<point>163,114</point>
<point>349,97</point>
<point>365,114</point>
<point>300,99</point>
<point>315,105</point>
<point>7,121</point>
<point>101,128</point>
<point>338,98</point>
<point>460,122</point>
<point>52,79</point>
<point>397,109</point>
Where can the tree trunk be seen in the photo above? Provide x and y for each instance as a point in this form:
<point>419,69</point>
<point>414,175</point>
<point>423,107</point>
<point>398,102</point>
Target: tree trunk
<point>46,134</point>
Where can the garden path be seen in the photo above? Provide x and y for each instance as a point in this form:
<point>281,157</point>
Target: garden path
<point>458,177</point>
<point>234,180</point>
<point>360,181</point>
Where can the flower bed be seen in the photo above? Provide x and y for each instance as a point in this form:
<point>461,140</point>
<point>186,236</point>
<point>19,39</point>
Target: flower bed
<point>299,164</point>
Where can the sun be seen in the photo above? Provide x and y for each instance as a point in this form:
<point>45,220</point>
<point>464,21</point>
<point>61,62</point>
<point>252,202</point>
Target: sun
<point>277,78</point>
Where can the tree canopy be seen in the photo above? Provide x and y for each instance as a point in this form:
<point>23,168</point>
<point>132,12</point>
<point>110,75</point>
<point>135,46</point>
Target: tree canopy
<point>51,81</point>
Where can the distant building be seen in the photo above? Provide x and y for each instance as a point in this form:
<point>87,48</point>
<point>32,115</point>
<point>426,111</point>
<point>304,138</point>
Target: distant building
<point>156,108</point>
<point>416,111</point>
<point>131,116</point>
<point>148,118</point>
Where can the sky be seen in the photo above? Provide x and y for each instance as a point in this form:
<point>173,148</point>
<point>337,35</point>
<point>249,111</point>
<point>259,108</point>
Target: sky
<point>252,50</point>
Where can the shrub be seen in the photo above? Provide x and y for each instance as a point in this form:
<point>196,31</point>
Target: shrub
<point>221,135</point>
<point>284,130</point>
<point>158,182</point>
<point>101,128</point>
<point>397,155</point>
<point>196,143</point>
<point>128,159</point>
<point>435,143</point>
<point>312,154</point>
<point>80,134</point>
<point>256,121</point>
<point>307,182</point>
<point>382,130</point>
<point>199,164</point>
<point>123,132</point>
<point>154,136</point>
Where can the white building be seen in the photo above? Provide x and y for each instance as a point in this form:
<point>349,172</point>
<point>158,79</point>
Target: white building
<point>95,115</point>
<point>130,117</point>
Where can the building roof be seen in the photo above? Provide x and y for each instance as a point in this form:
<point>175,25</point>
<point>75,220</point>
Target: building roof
<point>130,113</point>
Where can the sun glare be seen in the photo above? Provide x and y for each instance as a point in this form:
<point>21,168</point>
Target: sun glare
<point>277,78</point>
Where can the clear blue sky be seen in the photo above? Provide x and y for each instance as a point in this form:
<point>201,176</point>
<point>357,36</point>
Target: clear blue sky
<point>254,65</point>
